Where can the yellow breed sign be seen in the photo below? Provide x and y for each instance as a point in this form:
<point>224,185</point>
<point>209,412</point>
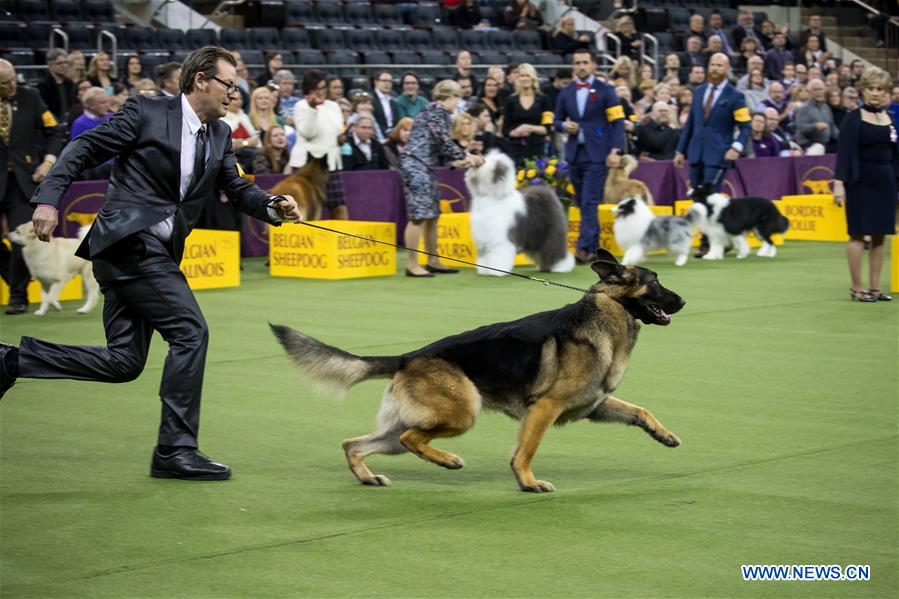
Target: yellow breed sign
<point>211,259</point>
<point>454,241</point>
<point>814,217</point>
<point>296,250</point>
<point>606,227</point>
<point>682,206</point>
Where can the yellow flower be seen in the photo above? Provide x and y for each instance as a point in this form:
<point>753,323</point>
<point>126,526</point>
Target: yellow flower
<point>521,175</point>
<point>532,173</point>
<point>551,170</point>
<point>570,188</point>
<point>554,162</point>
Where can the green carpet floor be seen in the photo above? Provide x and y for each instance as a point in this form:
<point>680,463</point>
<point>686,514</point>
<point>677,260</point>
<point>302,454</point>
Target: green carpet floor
<point>783,391</point>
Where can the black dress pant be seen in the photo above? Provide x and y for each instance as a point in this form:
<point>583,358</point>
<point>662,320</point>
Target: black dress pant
<point>15,207</point>
<point>143,290</point>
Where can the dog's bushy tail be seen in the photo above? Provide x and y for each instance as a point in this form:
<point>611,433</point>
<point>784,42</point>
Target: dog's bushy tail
<point>331,366</point>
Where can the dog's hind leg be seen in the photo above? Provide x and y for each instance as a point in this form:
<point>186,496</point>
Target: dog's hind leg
<point>613,409</point>
<point>540,416</point>
<point>386,439</point>
<point>54,293</point>
<point>742,245</point>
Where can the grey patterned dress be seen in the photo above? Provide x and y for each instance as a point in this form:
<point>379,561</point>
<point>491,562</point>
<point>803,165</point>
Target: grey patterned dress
<point>429,142</point>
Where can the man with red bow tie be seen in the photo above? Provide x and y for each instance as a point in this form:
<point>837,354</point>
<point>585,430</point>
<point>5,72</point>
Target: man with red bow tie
<point>591,114</point>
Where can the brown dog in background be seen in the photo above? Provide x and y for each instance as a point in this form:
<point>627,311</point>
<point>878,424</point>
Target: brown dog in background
<point>309,187</point>
<point>619,185</point>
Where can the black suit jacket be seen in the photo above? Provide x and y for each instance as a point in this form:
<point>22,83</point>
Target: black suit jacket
<point>32,125</point>
<point>358,162</point>
<point>144,137</point>
<point>380,116</point>
<point>50,94</point>
<point>739,34</point>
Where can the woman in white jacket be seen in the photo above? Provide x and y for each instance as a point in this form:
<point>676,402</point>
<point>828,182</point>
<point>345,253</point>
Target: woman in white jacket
<point>320,132</point>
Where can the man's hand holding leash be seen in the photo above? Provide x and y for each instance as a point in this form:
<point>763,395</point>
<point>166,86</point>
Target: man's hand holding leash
<point>287,208</point>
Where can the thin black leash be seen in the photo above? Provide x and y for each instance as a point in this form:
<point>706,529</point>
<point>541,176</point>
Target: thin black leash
<point>545,282</point>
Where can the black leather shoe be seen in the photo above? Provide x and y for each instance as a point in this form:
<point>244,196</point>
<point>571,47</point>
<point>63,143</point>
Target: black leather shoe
<point>17,308</point>
<point>188,464</point>
<point>441,271</point>
<point>7,380</point>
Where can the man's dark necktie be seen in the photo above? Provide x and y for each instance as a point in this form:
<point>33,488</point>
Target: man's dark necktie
<point>707,109</point>
<point>199,158</point>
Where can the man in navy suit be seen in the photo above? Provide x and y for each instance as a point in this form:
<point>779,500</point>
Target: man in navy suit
<point>589,111</point>
<point>170,154</point>
<point>707,139</point>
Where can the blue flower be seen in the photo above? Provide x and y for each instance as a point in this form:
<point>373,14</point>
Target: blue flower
<point>537,181</point>
<point>541,164</point>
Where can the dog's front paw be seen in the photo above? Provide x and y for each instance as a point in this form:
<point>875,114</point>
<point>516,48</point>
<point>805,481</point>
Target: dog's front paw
<point>539,486</point>
<point>40,311</point>
<point>666,438</point>
<point>56,306</point>
<point>378,480</point>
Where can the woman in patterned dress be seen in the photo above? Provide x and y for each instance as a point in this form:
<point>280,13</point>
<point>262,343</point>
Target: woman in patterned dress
<point>428,145</point>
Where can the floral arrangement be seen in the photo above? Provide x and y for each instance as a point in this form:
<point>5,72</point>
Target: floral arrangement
<point>551,172</point>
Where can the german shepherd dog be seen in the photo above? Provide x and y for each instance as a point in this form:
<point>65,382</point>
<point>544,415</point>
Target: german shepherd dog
<point>308,186</point>
<point>549,368</point>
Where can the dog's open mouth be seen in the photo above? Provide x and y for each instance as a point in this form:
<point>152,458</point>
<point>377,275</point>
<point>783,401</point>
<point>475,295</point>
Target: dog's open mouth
<point>660,315</point>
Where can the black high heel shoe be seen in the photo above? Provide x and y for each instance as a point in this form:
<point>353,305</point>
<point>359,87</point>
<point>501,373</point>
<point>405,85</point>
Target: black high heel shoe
<point>861,296</point>
<point>879,295</point>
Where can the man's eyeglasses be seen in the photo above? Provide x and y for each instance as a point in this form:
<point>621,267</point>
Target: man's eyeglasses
<point>229,89</point>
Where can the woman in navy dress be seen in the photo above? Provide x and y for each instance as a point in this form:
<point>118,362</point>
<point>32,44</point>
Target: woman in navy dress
<point>866,180</point>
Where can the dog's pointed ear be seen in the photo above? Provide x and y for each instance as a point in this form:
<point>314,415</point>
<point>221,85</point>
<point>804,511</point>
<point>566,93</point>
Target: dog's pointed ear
<point>606,265</point>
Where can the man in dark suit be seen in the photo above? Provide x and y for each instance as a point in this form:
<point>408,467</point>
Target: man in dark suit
<point>26,125</point>
<point>746,28</point>
<point>590,113</point>
<point>168,78</point>
<point>368,153</point>
<point>707,139</point>
<point>170,154</point>
<point>57,90</point>
<point>386,108</point>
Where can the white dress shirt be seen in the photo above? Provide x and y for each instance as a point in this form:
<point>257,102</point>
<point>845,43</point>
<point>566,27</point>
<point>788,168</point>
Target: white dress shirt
<point>190,124</point>
<point>385,104</point>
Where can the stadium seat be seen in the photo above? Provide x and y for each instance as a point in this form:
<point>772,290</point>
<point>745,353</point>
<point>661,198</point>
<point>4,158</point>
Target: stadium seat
<point>295,38</point>
<point>360,40</point>
<point>329,12</point>
<point>140,38</point>
<point>503,41</point>
<point>343,57</point>
<point>201,37</point>
<point>151,60</point>
<point>98,11</point>
<point>264,38</point>
<point>20,57</point>
<point>518,56</point>
<point>37,35</point>
<point>357,13</point>
<point>656,19</point>
<point>679,18</point>
<point>234,38</point>
<point>173,39</point>
<point>299,13</point>
<point>387,14</point>
<point>8,11</point>
<point>375,57</point>
<point>418,40</point>
<point>527,41</point>
<point>492,57</point>
<point>390,39</point>
<point>548,58</point>
<point>475,39</point>
<point>65,11</point>
<point>446,39</point>
<point>12,35</point>
<point>33,10</point>
<point>666,41</point>
<point>406,57</point>
<point>308,56</point>
<point>81,35</point>
<point>329,39</point>
<point>426,14</point>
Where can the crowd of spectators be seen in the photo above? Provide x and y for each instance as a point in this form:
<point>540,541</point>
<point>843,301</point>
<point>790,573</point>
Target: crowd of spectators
<point>796,91</point>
